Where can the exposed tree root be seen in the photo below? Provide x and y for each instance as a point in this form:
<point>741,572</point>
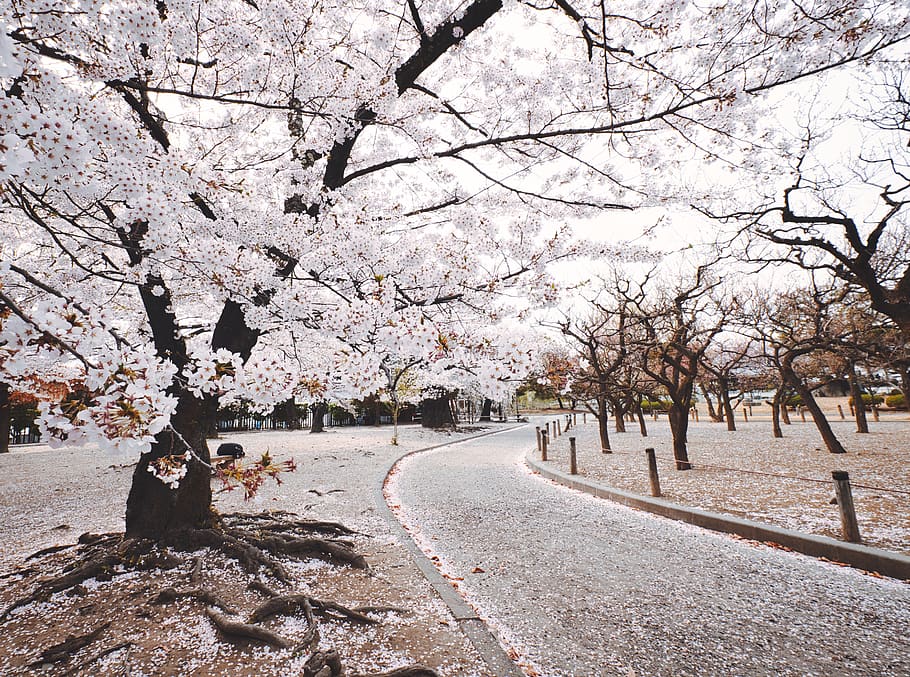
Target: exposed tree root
<point>101,654</point>
<point>237,630</point>
<point>249,555</point>
<point>275,521</point>
<point>324,664</point>
<point>207,597</point>
<point>58,653</point>
<point>256,542</point>
<point>331,551</point>
<point>407,671</point>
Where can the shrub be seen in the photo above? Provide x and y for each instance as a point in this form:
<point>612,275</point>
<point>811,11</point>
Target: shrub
<point>896,401</point>
<point>649,406</point>
<point>869,400</point>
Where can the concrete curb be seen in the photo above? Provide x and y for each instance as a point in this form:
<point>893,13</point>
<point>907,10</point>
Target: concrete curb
<point>474,628</point>
<point>859,556</point>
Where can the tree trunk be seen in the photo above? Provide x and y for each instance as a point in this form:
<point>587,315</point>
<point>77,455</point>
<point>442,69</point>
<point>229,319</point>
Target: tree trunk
<point>713,414</point>
<point>905,386</point>
<point>776,411</point>
<point>320,409</point>
<point>603,423</point>
<point>486,410</point>
<point>5,418</point>
<point>679,427</point>
<point>824,428</point>
<point>559,401</point>
<point>289,407</point>
<point>641,419</point>
<point>784,396</point>
<point>437,413</point>
<point>728,407</point>
<point>856,392</point>
<point>619,416</point>
<point>152,508</point>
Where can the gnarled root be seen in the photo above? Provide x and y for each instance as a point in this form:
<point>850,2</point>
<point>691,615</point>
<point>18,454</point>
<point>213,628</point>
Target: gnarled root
<point>407,671</point>
<point>237,630</point>
<point>207,597</point>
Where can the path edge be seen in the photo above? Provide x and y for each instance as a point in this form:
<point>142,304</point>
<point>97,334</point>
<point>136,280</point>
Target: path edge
<point>863,557</point>
<point>478,633</point>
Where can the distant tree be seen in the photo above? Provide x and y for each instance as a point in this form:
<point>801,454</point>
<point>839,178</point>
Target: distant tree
<point>671,326</point>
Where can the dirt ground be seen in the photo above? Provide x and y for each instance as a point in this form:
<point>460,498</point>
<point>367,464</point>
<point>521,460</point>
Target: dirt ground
<point>786,481</point>
<point>50,497</point>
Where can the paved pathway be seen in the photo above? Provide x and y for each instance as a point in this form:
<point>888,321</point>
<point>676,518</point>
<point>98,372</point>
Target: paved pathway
<point>581,586</point>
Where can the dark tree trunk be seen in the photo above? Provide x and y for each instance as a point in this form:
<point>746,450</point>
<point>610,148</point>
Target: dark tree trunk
<point>603,421</point>
<point>619,415</point>
<point>437,413</point>
<point>726,404</point>
<point>289,411</point>
<point>713,414</point>
<point>152,508</point>
<point>776,411</point>
<point>320,409</point>
<point>856,392</point>
<point>824,428</point>
<point>905,386</point>
<point>784,411</point>
<point>641,419</point>
<point>5,418</point>
<point>679,427</point>
<point>486,410</point>
<point>559,401</point>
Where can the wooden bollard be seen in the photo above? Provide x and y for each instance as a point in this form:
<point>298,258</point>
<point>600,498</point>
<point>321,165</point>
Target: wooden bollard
<point>654,414</point>
<point>544,438</point>
<point>557,428</point>
<point>848,522</point>
<point>696,414</point>
<point>840,410</point>
<point>574,419</point>
<point>802,414</point>
<point>875,413</point>
<point>548,427</point>
<point>652,472</point>
<point>852,411</point>
<point>573,460</point>
<point>745,415</point>
<point>537,429</point>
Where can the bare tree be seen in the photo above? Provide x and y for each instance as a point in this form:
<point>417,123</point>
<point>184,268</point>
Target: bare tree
<point>672,328</point>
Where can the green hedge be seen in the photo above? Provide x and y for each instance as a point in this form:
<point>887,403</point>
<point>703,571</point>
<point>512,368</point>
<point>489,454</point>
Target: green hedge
<point>895,401</point>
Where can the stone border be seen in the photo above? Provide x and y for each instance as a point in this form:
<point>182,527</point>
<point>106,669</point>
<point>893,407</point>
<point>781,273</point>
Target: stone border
<point>474,628</point>
<point>859,556</point>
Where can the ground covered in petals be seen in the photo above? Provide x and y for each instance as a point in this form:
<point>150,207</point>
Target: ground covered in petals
<point>740,472</point>
<point>120,622</point>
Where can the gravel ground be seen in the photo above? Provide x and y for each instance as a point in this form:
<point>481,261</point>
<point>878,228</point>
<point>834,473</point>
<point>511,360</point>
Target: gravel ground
<point>877,459</point>
<point>581,586</point>
<point>49,497</point>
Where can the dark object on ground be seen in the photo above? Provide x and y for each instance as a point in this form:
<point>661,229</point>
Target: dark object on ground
<point>231,449</point>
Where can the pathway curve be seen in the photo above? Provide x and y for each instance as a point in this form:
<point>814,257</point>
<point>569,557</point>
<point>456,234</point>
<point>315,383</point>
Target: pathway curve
<point>582,586</point>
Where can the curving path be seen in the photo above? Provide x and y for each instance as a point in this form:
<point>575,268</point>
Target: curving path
<point>582,586</point>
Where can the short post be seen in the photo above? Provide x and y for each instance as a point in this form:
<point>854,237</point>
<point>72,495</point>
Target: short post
<point>695,409</point>
<point>802,414</point>
<point>840,410</point>
<point>544,437</point>
<point>652,472</point>
<point>745,415</point>
<point>574,418</point>
<point>537,429</point>
<point>584,417</point>
<point>573,461</point>
<point>874,412</point>
<point>548,427</point>
<point>845,502</point>
<point>750,410</point>
<point>852,412</point>
<point>654,413</point>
